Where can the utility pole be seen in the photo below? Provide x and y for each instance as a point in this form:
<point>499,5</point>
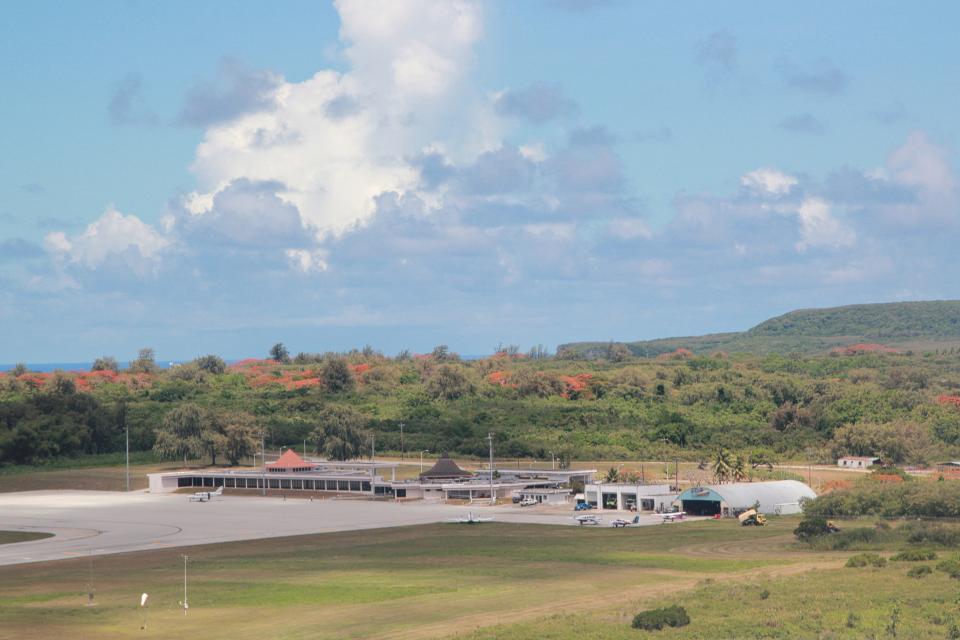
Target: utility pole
<point>185,605</point>
<point>263,459</point>
<point>304,448</point>
<point>127,427</point>
<point>493,499</point>
<point>401,440</point>
<point>676,471</point>
<point>373,446</point>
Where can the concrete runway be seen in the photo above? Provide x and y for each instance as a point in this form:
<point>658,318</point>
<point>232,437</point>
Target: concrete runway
<point>101,522</point>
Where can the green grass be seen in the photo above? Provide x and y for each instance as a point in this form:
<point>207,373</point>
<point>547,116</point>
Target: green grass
<point>7,537</point>
<point>406,582</point>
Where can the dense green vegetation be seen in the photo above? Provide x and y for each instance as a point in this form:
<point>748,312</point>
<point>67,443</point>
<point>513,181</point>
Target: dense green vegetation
<point>903,407</point>
<point>904,325</point>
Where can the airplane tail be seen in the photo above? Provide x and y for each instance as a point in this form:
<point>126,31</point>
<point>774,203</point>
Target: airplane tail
<point>219,491</point>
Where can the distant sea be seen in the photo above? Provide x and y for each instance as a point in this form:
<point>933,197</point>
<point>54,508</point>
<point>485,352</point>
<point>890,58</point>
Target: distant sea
<point>44,367</point>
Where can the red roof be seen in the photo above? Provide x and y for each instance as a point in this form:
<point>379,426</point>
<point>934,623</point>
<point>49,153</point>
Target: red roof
<point>289,460</point>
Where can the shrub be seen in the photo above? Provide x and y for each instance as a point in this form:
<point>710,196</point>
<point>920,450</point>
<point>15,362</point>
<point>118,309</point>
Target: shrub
<point>927,533</point>
<point>915,555</point>
<point>655,619</point>
<point>950,567</point>
<point>764,594</point>
<point>919,571</point>
<point>866,560</point>
<point>810,528</point>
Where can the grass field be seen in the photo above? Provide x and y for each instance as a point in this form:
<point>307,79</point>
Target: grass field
<point>416,582</point>
<point>7,537</point>
<point>485,582</point>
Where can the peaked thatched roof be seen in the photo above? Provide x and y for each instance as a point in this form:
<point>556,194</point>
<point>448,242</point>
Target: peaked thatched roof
<point>444,468</point>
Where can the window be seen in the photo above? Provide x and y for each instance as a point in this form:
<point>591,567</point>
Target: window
<point>308,485</point>
<point>354,485</point>
<point>284,484</point>
<point>230,483</point>
<point>274,484</point>
<point>208,482</point>
<point>296,484</point>
<point>342,485</point>
<point>401,493</point>
<point>218,482</point>
<point>366,486</point>
<point>184,482</point>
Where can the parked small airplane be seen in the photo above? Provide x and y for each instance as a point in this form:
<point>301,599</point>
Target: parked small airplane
<point>470,518</point>
<point>622,522</point>
<point>587,518</point>
<point>206,496</point>
<point>528,502</point>
<point>671,517</point>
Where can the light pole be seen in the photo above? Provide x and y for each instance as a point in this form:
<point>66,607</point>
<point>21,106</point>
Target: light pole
<point>401,440</point>
<point>421,459</point>
<point>304,448</point>
<point>127,428</point>
<point>493,499</point>
<point>263,459</point>
<point>185,605</point>
<point>553,460</point>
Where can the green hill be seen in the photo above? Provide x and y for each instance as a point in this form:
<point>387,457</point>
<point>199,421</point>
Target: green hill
<point>902,325</point>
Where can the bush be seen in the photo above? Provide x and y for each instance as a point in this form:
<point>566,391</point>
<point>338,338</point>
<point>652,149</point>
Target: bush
<point>927,533</point>
<point>915,555</point>
<point>656,619</point>
<point>950,567</point>
<point>919,571</point>
<point>810,528</point>
<point>866,560</point>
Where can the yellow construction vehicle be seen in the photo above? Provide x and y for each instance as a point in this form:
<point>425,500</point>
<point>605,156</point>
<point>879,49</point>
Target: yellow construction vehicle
<point>752,517</point>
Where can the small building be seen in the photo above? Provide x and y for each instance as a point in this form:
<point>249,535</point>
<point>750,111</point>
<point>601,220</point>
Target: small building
<point>628,496</point>
<point>544,496</point>
<point>778,497</point>
<point>857,462</point>
<point>445,469</point>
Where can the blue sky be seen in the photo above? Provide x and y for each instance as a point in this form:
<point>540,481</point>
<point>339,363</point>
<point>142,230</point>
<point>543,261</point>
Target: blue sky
<point>216,177</point>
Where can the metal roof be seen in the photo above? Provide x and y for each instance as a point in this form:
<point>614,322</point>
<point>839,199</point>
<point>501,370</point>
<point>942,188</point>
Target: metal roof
<point>743,495</point>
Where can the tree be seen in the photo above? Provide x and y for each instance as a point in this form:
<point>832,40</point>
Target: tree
<point>613,475</point>
<point>339,437</point>
<point>900,441</point>
<point>722,466</point>
<point>105,363</point>
<point>211,364</point>
<point>240,436</point>
<point>61,384</point>
<point>180,436</point>
<point>279,353</point>
<point>618,352</point>
<point>449,383</point>
<point>145,362</point>
<point>337,376</point>
<point>19,369</point>
<point>738,469</point>
<point>538,352</point>
<point>442,353</point>
<point>189,431</point>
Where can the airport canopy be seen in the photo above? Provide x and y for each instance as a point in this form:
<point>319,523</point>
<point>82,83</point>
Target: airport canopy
<point>744,495</point>
<point>445,469</point>
<point>289,461</point>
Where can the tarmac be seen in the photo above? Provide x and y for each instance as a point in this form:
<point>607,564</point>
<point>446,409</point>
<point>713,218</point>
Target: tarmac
<point>100,522</point>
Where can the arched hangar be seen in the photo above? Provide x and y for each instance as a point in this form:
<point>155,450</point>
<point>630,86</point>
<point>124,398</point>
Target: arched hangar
<point>777,497</point>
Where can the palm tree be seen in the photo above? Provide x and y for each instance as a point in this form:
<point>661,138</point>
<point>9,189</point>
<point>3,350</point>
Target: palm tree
<point>722,468</point>
<point>613,474</point>
<point>738,469</point>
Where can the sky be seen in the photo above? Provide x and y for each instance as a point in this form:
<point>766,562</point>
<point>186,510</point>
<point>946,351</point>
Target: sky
<point>216,177</point>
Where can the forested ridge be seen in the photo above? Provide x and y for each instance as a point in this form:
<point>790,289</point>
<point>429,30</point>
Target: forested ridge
<point>864,399</point>
<point>918,325</point>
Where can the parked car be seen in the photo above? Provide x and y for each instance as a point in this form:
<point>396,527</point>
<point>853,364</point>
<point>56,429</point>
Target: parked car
<point>528,502</point>
<point>583,506</point>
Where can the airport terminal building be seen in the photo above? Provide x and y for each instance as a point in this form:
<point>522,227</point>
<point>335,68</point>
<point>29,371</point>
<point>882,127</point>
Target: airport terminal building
<point>293,474</point>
